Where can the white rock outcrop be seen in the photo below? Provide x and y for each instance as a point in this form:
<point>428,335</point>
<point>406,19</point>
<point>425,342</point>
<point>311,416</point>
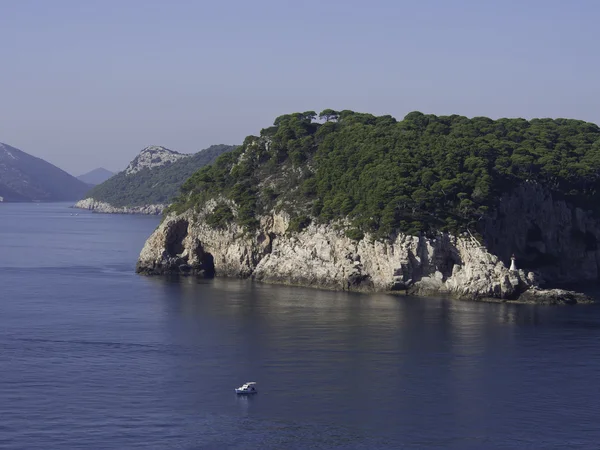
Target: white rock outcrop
<point>153,156</point>
<point>103,207</point>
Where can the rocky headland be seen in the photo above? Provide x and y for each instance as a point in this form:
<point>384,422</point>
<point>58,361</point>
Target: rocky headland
<point>427,206</point>
<point>106,208</point>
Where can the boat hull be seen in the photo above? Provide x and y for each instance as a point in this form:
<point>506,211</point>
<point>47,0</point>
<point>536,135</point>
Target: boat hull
<point>244,392</point>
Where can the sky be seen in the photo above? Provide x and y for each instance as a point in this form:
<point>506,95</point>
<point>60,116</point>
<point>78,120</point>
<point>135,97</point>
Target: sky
<point>86,84</point>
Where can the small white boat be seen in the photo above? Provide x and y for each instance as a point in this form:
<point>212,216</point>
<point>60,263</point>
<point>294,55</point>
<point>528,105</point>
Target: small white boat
<point>247,388</point>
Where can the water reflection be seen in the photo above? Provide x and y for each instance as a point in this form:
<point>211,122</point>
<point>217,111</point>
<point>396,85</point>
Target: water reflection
<point>245,403</point>
<point>346,354</point>
<point>289,306</point>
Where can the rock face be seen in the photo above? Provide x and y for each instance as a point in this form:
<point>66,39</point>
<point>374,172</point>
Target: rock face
<point>546,234</point>
<point>322,256</point>
<point>553,297</point>
<point>102,207</point>
<point>153,156</point>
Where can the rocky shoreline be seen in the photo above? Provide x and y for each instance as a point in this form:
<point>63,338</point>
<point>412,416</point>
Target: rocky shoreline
<point>322,256</point>
<point>106,208</point>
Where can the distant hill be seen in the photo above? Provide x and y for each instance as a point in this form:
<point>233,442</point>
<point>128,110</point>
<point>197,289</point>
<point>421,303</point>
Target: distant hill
<point>152,178</point>
<point>96,176</point>
<point>25,178</point>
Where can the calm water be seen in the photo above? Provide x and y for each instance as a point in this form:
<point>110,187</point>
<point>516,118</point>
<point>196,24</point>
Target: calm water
<point>94,356</point>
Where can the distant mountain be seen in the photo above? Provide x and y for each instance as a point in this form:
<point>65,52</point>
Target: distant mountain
<point>96,176</point>
<point>149,182</point>
<point>25,178</point>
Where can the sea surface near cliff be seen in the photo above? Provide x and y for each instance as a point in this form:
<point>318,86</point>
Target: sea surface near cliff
<point>93,356</point>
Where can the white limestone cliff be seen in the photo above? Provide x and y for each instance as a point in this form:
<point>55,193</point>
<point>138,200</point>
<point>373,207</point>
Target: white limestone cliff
<point>103,207</point>
<point>323,256</point>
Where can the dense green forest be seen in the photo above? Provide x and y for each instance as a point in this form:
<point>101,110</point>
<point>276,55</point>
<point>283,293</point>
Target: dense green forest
<point>158,185</point>
<point>421,174</point>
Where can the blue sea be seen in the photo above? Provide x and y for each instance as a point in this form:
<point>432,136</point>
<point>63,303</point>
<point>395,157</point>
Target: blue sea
<point>93,356</point>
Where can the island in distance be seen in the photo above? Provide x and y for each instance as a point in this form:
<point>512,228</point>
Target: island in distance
<point>150,182</point>
<point>26,178</point>
<point>96,176</point>
<point>425,205</point>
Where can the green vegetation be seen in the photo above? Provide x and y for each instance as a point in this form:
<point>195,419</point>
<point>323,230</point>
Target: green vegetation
<point>421,174</point>
<point>299,223</point>
<point>158,185</point>
<point>220,216</point>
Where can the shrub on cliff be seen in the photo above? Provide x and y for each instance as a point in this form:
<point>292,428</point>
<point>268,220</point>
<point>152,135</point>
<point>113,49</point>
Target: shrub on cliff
<point>420,174</point>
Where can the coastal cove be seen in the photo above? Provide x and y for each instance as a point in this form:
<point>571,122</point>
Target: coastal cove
<point>102,357</point>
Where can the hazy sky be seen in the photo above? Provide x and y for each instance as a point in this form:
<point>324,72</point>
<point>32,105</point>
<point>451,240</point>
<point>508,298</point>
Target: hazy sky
<point>85,84</point>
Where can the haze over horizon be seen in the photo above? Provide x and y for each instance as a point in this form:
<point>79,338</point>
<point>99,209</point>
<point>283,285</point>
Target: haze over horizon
<point>88,85</point>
